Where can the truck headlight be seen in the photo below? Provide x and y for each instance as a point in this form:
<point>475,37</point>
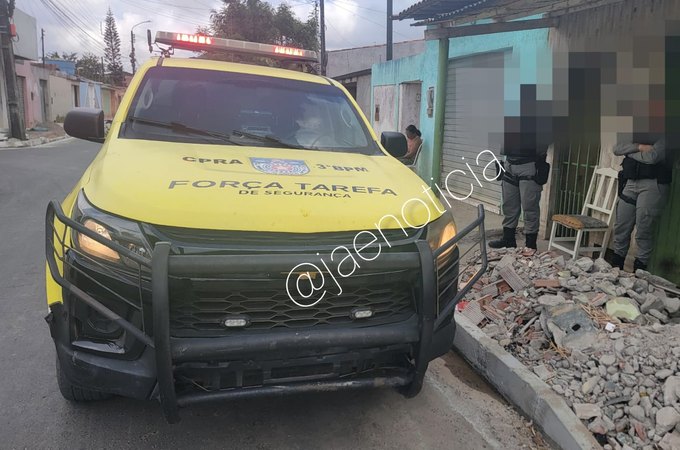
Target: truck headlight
<point>94,248</point>
<point>440,231</point>
<point>121,231</point>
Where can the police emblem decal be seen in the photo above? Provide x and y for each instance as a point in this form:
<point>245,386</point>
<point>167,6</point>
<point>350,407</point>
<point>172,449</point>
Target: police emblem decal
<point>280,166</point>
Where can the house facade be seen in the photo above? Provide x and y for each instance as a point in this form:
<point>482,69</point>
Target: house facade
<point>606,69</point>
<point>47,92</point>
<point>484,75</point>
<point>352,67</point>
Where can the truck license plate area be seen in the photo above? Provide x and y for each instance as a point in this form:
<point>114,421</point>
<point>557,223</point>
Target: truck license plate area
<point>216,376</point>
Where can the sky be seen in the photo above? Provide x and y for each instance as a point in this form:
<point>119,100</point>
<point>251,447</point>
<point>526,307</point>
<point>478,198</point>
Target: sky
<point>76,25</point>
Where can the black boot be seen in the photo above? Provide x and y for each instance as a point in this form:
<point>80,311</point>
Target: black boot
<point>637,264</point>
<point>617,261</point>
<point>508,239</point>
<point>531,240</point>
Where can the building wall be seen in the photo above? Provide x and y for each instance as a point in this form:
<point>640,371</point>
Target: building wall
<point>410,97</point>
<point>341,62</point>
<point>364,94</point>
<point>68,67</point>
<point>26,46</point>
<point>110,101</point>
<point>61,93</point>
<point>633,32</point>
<point>529,62</point>
<point>32,106</point>
<point>421,68</point>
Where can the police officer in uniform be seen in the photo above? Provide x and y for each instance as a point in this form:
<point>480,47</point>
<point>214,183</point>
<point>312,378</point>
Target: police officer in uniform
<point>525,170</point>
<point>644,184</point>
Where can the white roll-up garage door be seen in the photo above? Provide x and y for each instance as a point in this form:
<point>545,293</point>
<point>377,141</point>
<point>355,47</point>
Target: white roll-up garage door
<point>473,123</point>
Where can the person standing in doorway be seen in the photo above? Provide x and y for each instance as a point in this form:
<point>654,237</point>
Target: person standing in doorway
<point>524,171</point>
<point>413,142</point>
<point>644,184</point>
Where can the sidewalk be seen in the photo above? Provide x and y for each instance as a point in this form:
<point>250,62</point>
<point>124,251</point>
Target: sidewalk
<point>464,214</point>
<point>37,136</point>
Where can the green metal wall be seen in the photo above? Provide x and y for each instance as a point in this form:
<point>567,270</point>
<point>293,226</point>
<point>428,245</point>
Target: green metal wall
<point>666,259</point>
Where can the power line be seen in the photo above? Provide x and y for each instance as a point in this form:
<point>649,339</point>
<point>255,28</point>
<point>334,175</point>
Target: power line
<point>171,5</point>
<point>362,7</point>
<point>179,18</point>
<point>350,44</point>
<point>382,25</point>
<point>72,27</point>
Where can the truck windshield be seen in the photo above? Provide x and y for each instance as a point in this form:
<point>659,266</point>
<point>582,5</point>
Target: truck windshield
<point>227,108</point>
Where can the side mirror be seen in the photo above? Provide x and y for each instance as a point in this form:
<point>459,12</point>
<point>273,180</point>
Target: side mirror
<point>394,142</point>
<point>149,41</point>
<point>85,123</point>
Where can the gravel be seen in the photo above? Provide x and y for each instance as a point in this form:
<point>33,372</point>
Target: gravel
<point>619,371</point>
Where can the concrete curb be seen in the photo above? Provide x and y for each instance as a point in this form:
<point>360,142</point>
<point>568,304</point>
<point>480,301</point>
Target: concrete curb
<point>521,387</point>
<point>31,142</point>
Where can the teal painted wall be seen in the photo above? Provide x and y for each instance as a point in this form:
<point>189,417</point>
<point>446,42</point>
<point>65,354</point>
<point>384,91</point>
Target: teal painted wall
<point>528,60</point>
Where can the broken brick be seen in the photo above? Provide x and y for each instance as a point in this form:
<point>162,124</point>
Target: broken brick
<point>547,283</point>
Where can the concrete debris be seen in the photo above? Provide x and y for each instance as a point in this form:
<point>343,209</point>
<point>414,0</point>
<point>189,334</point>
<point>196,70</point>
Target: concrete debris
<point>623,308</point>
<point>605,340</point>
<point>542,372</point>
<point>666,419</point>
<point>671,391</point>
<point>587,410</point>
<point>672,305</point>
<point>671,441</point>
<point>570,326</point>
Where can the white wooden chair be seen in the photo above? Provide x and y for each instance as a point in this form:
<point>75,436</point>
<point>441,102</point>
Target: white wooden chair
<point>601,200</point>
<point>413,165</point>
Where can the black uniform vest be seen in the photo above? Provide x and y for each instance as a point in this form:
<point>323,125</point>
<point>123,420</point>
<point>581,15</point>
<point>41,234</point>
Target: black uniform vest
<point>635,170</point>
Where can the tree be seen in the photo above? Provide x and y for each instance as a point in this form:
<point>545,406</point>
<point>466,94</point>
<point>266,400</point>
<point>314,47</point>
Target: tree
<point>89,66</point>
<point>64,56</point>
<point>258,21</point>
<point>114,64</point>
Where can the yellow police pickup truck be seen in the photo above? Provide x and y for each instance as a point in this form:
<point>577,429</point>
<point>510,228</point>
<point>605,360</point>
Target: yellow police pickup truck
<point>243,232</point>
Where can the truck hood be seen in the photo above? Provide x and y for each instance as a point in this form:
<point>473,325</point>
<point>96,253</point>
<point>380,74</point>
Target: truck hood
<point>256,189</point>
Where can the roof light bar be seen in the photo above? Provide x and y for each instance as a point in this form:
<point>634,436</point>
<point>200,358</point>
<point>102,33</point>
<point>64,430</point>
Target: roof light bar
<point>198,42</point>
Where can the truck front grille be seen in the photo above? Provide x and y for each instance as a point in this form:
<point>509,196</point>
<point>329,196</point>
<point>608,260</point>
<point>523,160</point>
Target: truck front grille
<point>198,307</point>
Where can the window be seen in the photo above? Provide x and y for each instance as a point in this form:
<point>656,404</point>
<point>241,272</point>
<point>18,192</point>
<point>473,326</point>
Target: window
<point>206,106</point>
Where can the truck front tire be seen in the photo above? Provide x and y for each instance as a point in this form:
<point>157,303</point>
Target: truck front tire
<point>74,393</point>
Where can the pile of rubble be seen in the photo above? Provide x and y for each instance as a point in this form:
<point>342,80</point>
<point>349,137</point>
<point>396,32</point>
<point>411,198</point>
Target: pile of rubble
<point>606,340</point>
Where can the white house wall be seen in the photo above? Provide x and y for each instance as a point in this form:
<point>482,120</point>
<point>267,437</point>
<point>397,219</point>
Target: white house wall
<point>350,60</point>
<point>364,94</point>
<point>61,94</point>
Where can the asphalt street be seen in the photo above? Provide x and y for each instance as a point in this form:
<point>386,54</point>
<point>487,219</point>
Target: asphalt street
<point>456,409</point>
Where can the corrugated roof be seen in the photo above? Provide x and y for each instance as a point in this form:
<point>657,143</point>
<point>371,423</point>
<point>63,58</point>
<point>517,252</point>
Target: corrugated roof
<point>433,10</point>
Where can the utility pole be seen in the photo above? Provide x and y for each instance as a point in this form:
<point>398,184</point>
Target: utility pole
<point>42,40</point>
<point>322,30</point>
<point>103,71</point>
<point>16,121</point>
<point>389,31</point>
<point>133,59</point>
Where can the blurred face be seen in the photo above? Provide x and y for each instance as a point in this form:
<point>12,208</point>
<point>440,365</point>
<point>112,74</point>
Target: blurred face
<point>311,119</point>
<point>410,135</point>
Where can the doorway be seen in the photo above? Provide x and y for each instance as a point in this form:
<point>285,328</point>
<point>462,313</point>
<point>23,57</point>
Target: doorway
<point>577,148</point>
<point>410,95</point>
<point>44,101</point>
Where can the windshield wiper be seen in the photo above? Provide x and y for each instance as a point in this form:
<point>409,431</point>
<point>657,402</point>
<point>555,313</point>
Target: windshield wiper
<point>267,138</point>
<point>181,128</point>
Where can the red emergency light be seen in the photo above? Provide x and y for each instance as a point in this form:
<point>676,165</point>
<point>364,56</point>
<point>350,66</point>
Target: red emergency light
<point>194,38</point>
<point>198,42</point>
<point>288,51</point>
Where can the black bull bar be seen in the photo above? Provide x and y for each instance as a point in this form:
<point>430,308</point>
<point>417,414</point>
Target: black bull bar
<point>166,350</point>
